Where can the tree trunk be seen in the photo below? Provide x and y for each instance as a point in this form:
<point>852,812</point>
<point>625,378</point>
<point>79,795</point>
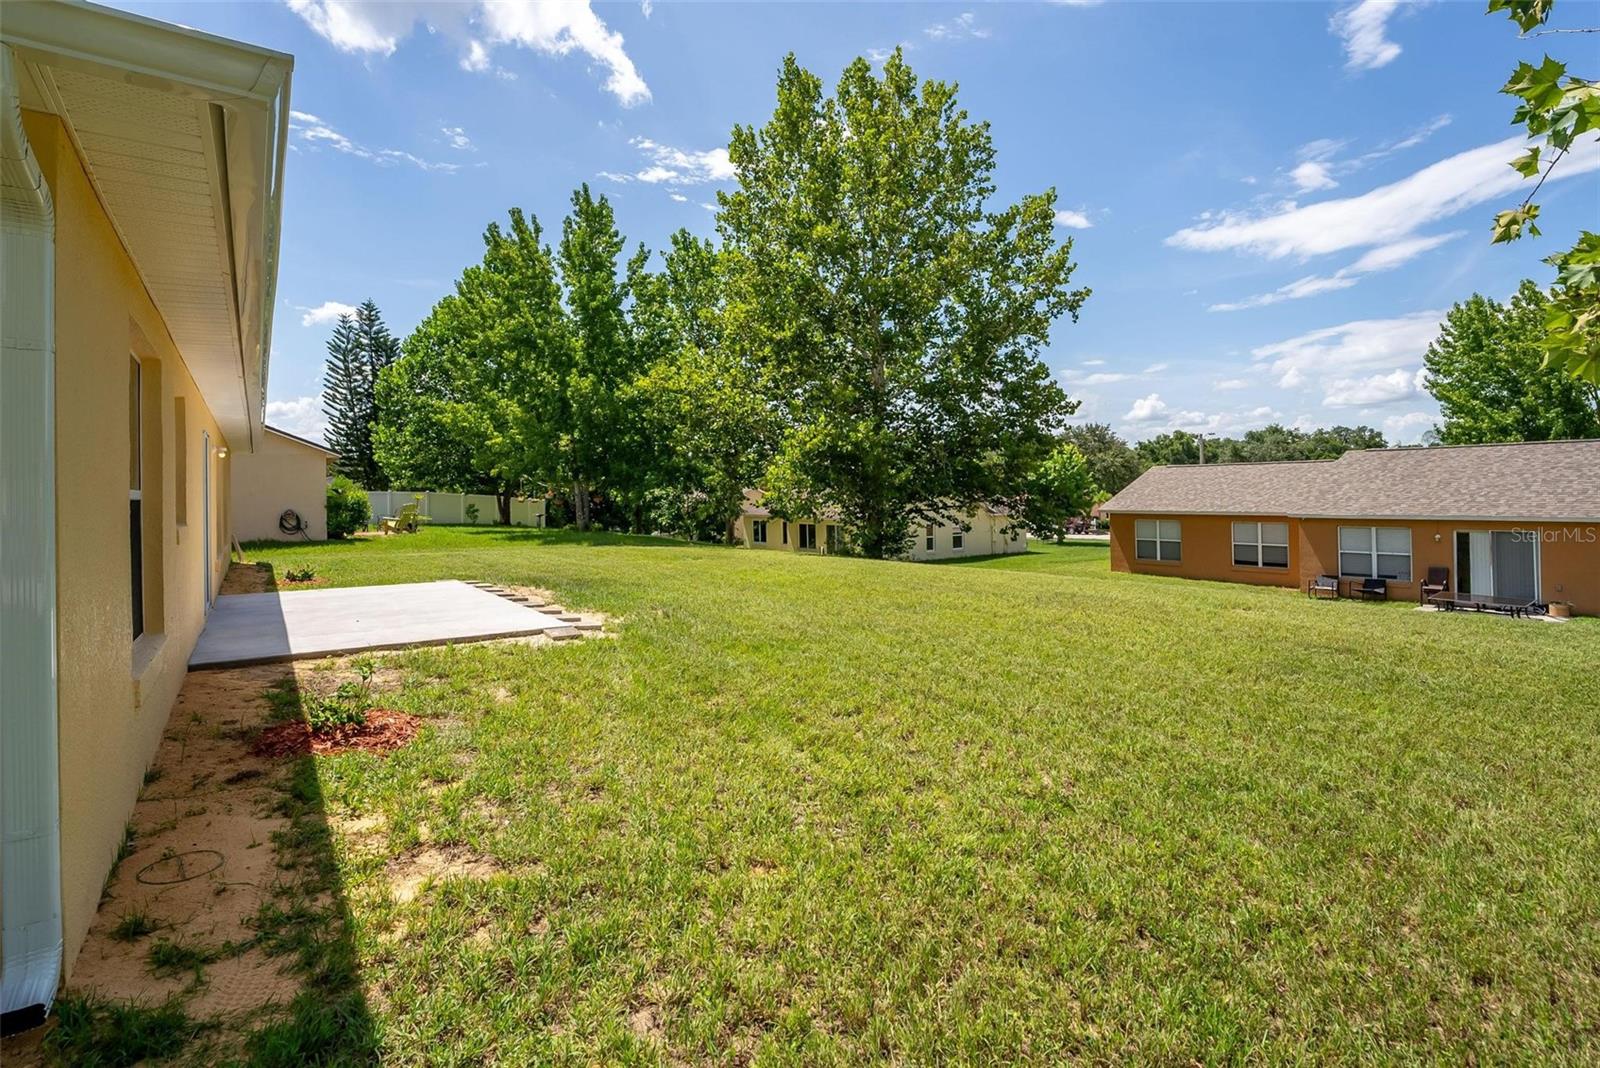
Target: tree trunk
<point>580,505</point>
<point>638,517</point>
<point>502,500</point>
<point>733,522</point>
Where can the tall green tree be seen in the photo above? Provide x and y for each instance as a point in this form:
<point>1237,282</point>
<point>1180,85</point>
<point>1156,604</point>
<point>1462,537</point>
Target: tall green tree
<point>896,316</point>
<point>604,360</point>
<point>474,401</point>
<point>707,410</point>
<point>361,347</point>
<point>1486,370</point>
<point>1060,491</point>
<point>1112,462</point>
<point>1559,110</point>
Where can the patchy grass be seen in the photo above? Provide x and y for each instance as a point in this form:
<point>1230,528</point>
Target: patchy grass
<point>812,810</point>
<point>135,924</point>
<point>94,1033</point>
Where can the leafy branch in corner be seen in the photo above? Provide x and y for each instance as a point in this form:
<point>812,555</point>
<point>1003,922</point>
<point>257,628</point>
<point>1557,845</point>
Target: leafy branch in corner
<point>1557,108</point>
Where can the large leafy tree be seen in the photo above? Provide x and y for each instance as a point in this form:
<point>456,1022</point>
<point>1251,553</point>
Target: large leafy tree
<point>1271,443</point>
<point>1486,371</point>
<point>599,445</point>
<point>361,347</point>
<point>1060,491</point>
<point>473,403</point>
<point>1559,110</point>
<point>1112,462</point>
<point>705,405</point>
<point>894,314</point>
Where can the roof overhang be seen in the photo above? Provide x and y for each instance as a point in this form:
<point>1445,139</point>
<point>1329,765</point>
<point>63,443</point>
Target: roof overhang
<point>1354,518</point>
<point>183,136</point>
<point>296,439</point>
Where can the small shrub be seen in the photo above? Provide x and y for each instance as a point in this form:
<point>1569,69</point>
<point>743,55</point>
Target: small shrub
<point>472,512</point>
<point>340,710</point>
<point>304,573</point>
<point>348,508</point>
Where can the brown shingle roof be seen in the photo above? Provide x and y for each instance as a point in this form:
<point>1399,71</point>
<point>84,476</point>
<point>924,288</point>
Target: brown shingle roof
<point>1557,480</point>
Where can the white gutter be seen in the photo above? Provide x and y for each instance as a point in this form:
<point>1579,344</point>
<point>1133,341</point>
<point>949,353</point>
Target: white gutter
<point>30,808</point>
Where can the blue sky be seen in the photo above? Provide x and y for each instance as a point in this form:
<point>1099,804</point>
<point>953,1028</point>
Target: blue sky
<point>1273,203</point>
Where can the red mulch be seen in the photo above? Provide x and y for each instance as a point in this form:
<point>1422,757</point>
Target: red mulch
<point>384,730</point>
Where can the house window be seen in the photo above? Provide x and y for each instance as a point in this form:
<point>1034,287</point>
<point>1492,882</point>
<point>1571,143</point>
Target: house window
<point>786,532</point>
<point>1160,540</point>
<point>1261,544</point>
<point>958,540</point>
<point>1375,552</point>
<point>835,542</point>
<point>180,458</point>
<point>758,531</point>
<point>136,490</point>
<point>927,538</point>
<point>808,535</point>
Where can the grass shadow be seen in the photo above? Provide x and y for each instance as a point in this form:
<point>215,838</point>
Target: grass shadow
<point>303,925</point>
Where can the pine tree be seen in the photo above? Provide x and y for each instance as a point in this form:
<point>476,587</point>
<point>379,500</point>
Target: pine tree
<point>345,387</point>
<point>360,348</point>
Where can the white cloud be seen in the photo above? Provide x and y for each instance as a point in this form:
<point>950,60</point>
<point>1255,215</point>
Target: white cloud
<point>1382,258</point>
<point>1075,220</point>
<point>1311,176</point>
<point>1154,369</point>
<point>553,27</point>
<point>1361,28</point>
<point>326,312</point>
<point>457,138</point>
<point>302,416</point>
<point>1408,429</point>
<point>676,166</point>
<point>1150,409</point>
<point>963,27</point>
<point>1231,383</point>
<point>1337,351</point>
<point>1094,363</point>
<point>646,8</point>
<point>679,197</point>
<point>1382,216</point>
<point>315,133</point>
<point>1388,388</point>
<point>1101,378</point>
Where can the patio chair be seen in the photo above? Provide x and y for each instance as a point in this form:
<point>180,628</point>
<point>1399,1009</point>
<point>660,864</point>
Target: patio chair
<point>1373,589</point>
<point>1323,586</point>
<point>1437,582</point>
<point>406,522</point>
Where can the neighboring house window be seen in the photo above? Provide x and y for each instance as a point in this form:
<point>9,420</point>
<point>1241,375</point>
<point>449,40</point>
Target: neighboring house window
<point>758,531</point>
<point>1160,540</point>
<point>1375,552</point>
<point>927,538</point>
<point>1261,544</point>
<point>958,540</point>
<point>835,543</point>
<point>786,532</point>
<point>808,535</point>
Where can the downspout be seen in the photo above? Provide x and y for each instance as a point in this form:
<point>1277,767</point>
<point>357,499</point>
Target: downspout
<point>30,808</point>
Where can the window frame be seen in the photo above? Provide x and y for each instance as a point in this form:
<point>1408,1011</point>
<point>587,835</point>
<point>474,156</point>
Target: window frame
<point>758,532</point>
<point>927,539</point>
<point>1260,544</point>
<point>1159,541</point>
<point>958,541</point>
<point>1373,552</point>
<point>800,542</point>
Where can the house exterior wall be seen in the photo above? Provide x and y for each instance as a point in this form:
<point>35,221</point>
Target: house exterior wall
<point>990,535</point>
<point>1569,553</point>
<point>280,474</point>
<point>114,694</point>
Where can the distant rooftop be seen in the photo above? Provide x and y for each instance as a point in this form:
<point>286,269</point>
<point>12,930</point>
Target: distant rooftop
<point>1549,480</point>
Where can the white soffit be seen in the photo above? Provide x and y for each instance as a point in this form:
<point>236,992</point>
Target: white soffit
<point>183,137</point>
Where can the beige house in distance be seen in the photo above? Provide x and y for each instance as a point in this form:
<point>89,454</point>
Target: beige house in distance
<point>286,474</point>
<point>141,170</point>
<point>988,533</point>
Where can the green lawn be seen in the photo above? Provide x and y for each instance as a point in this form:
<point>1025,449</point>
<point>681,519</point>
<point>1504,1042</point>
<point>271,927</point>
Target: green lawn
<point>812,810</point>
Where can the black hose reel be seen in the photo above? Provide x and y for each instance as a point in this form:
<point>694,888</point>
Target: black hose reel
<point>290,523</point>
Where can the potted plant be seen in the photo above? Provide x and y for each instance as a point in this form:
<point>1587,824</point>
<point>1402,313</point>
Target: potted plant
<point>1560,609</point>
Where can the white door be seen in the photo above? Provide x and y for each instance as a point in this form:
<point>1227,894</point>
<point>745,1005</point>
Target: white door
<point>205,511</point>
<point>1477,571</point>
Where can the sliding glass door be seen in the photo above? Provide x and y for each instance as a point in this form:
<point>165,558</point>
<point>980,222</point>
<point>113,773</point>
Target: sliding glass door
<point>1498,563</point>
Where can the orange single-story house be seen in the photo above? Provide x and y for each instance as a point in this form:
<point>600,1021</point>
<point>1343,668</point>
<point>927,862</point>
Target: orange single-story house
<point>141,169</point>
<point>1518,521</point>
<point>985,532</point>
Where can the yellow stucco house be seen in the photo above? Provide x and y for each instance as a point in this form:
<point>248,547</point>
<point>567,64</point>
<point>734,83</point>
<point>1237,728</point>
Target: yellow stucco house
<point>141,168</point>
<point>986,532</point>
<point>280,491</point>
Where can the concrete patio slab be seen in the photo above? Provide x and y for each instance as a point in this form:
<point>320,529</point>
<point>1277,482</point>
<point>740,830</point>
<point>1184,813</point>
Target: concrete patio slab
<point>260,628</point>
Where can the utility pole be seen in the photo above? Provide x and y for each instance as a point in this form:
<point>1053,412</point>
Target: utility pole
<point>1202,439</point>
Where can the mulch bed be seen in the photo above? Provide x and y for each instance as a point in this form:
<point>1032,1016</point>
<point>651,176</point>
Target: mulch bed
<point>385,729</point>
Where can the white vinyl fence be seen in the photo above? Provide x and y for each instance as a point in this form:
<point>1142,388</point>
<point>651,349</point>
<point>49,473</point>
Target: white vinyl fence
<point>452,507</point>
